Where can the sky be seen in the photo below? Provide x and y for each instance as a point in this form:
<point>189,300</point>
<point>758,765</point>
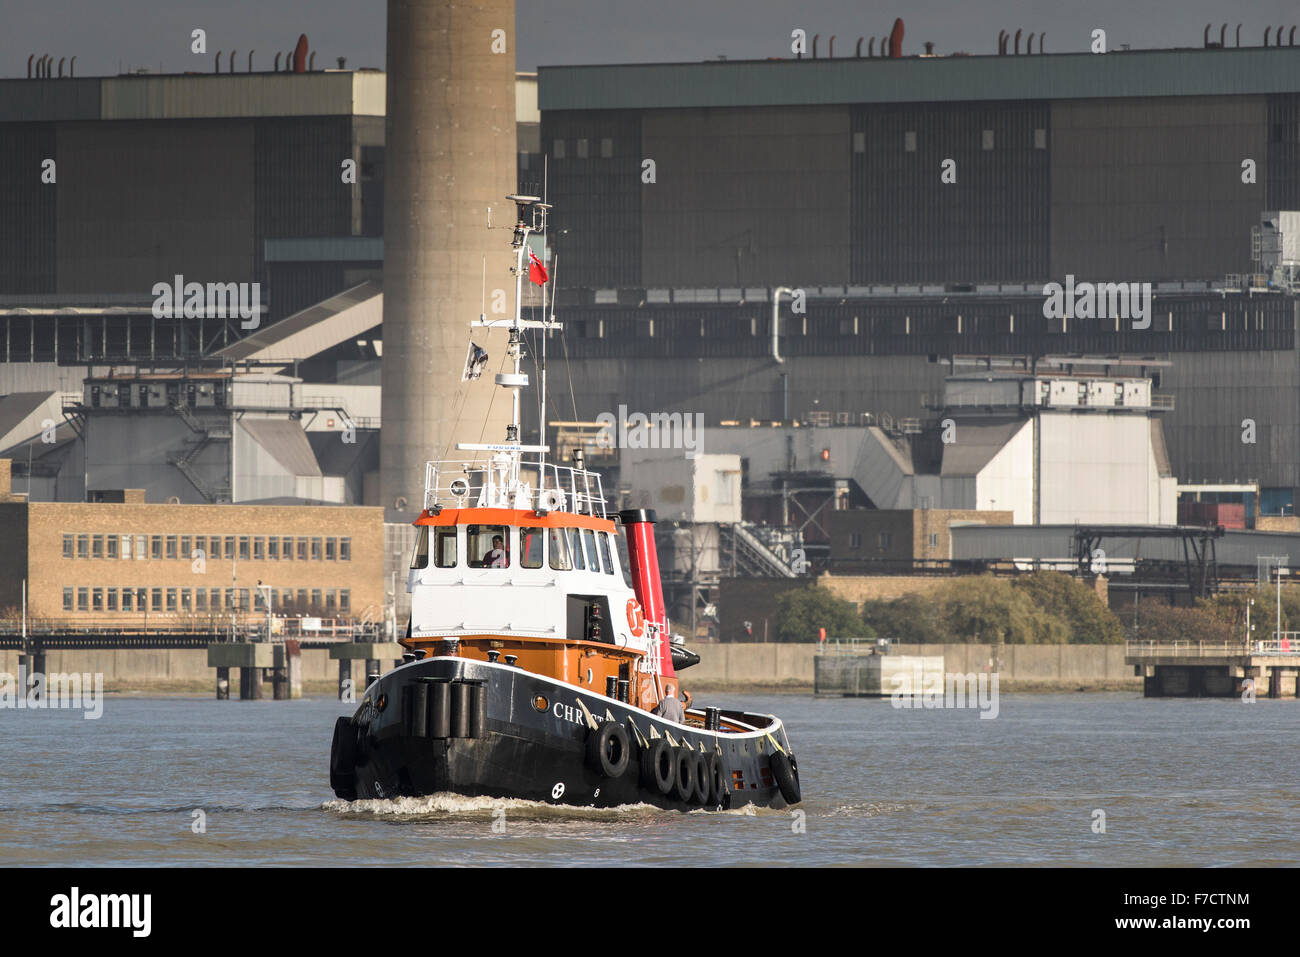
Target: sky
<point>108,36</point>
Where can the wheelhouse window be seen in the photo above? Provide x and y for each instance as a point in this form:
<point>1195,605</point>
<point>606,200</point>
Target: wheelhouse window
<point>530,546</point>
<point>559,546</point>
<point>444,547</point>
<point>488,546</point>
<point>420,557</point>
<point>589,540</point>
<point>605,555</point>
<point>575,548</point>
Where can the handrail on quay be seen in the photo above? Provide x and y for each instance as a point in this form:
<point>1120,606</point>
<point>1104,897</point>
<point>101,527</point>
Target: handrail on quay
<point>1287,644</point>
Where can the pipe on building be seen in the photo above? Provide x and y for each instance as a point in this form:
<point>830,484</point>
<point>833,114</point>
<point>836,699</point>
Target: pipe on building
<point>831,52</point>
<point>29,65</point>
<point>277,63</point>
<point>300,54</point>
<point>1002,42</point>
<point>288,60</point>
<point>1267,31</point>
<point>311,61</point>
<point>1290,38</point>
<point>871,47</point>
<point>72,67</point>
<point>1205,40</point>
<point>1278,41</point>
<point>1238,34</point>
<point>816,36</point>
<point>1018,32</point>
<point>776,316</point>
<point>217,67</point>
<point>250,60</point>
<point>884,49</point>
<point>1223,35</point>
<point>1042,36</point>
<point>49,65</point>
<point>896,38</point>
<point>230,66</point>
<point>61,60</point>
<point>858,51</point>
<point>1029,44</point>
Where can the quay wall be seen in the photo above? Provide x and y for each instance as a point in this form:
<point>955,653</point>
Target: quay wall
<point>725,665</point>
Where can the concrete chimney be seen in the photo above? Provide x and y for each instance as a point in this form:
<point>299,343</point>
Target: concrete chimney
<point>450,154</point>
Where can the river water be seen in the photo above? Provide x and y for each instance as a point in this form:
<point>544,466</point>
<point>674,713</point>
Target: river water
<point>1180,782</point>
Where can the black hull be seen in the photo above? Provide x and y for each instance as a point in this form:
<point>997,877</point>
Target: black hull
<point>514,734</point>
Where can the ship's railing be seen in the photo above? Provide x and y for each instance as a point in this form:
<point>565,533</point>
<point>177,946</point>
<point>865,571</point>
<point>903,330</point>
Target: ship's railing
<point>461,483</point>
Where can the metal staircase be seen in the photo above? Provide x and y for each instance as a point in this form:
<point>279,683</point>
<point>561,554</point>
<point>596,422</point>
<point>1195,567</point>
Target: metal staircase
<point>750,556</point>
<point>184,461</point>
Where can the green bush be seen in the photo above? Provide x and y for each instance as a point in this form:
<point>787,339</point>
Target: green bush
<point>801,612</point>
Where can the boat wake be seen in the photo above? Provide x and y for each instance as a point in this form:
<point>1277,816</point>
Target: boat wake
<point>444,806</point>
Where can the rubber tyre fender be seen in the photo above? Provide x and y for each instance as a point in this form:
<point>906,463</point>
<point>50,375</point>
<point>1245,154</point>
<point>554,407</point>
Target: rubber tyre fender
<point>786,775</point>
<point>684,774</point>
<point>609,736</point>
<point>343,759</point>
<point>703,781</point>
<point>717,786</point>
<point>658,769</point>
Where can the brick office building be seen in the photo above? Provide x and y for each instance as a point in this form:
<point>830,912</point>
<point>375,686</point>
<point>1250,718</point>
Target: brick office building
<point>131,561</point>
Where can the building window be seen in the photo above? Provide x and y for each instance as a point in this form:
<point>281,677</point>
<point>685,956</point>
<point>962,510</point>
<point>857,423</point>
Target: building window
<point>315,549</point>
<point>934,539</point>
<point>187,600</point>
<point>855,540</point>
<point>331,549</point>
<point>582,149</point>
<point>243,548</point>
<point>67,599</point>
<point>273,548</point>
<point>243,599</point>
<point>214,600</point>
<point>302,600</point>
<point>67,546</point>
<point>83,546</point>
<point>606,148</point>
<point>214,548</point>
<point>97,599</point>
<point>201,599</point>
<point>557,149</point>
<point>111,598</point>
<point>859,142</point>
<point>286,600</point>
<point>345,549</point>
<point>886,540</point>
<point>157,604</point>
<point>171,547</point>
<point>171,599</point>
<point>230,546</point>
<point>315,601</point>
<point>83,599</point>
<point>345,600</point>
<point>110,546</point>
<point>1040,139</point>
<point>302,549</point>
<point>986,141</point>
<point>259,548</point>
<point>156,546</point>
<point>97,546</point>
<point>186,547</point>
<point>909,141</point>
<point>141,543</point>
<point>331,601</point>
<point>127,596</point>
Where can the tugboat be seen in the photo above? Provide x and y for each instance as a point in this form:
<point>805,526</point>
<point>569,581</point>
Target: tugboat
<point>533,669</point>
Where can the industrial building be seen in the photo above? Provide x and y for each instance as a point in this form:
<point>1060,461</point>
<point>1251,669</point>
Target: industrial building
<point>686,196</point>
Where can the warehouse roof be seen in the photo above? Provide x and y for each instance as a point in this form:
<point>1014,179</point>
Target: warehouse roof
<point>1052,76</point>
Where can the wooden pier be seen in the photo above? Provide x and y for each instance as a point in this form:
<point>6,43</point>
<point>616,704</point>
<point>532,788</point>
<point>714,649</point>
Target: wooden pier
<point>1204,669</point>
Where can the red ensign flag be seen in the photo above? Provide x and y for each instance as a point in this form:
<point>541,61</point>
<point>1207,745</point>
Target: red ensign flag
<point>536,271</point>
